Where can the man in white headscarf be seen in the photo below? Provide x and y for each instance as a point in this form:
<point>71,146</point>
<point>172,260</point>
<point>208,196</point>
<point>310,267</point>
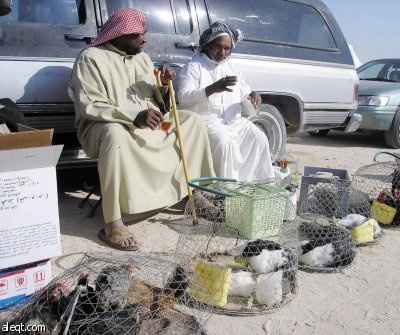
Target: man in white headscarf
<point>119,109</point>
<point>209,85</point>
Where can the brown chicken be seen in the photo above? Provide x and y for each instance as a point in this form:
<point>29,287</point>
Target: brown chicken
<point>157,300</point>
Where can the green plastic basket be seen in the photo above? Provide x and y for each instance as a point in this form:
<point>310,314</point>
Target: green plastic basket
<point>253,210</point>
<point>256,211</point>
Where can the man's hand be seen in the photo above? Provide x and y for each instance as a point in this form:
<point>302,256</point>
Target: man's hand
<point>167,73</point>
<point>148,118</point>
<point>256,100</point>
<point>221,85</point>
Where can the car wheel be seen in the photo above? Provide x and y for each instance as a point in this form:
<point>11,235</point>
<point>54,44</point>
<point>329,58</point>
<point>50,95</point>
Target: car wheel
<point>392,136</point>
<point>319,133</point>
<point>270,121</point>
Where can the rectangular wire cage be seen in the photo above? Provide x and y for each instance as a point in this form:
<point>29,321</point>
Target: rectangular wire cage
<point>256,211</point>
<point>328,187</point>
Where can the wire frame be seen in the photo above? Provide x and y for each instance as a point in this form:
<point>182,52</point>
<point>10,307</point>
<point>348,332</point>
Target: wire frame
<point>324,246</point>
<point>328,198</point>
<point>358,219</point>
<point>246,272</point>
<point>380,182</point>
<point>109,294</point>
<point>344,206</point>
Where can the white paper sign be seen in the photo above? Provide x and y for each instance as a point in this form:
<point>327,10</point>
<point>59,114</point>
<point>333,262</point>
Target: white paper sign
<point>29,218</point>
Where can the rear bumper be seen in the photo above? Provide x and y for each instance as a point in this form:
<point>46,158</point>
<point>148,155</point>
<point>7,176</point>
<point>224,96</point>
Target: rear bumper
<point>354,123</point>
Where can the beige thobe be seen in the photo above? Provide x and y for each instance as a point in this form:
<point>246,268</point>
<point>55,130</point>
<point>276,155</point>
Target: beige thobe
<point>139,169</point>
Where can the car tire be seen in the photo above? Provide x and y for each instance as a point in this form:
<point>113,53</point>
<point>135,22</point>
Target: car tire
<point>319,133</point>
<point>392,136</point>
<point>271,122</point>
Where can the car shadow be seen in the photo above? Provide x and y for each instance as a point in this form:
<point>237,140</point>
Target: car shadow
<point>340,139</point>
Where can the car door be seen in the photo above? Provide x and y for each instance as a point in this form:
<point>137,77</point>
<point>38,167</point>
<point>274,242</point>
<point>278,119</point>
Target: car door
<point>39,42</point>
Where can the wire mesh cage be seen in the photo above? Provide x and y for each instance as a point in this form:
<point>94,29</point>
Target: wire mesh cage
<point>324,191</point>
<point>240,241</point>
<point>380,182</point>
<point>105,294</point>
<point>324,246</point>
<point>346,206</point>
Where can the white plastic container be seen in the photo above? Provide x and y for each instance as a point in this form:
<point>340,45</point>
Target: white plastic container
<point>291,204</point>
<point>282,177</point>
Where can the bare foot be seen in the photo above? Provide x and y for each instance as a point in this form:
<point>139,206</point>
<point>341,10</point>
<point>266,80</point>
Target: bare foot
<point>127,241</point>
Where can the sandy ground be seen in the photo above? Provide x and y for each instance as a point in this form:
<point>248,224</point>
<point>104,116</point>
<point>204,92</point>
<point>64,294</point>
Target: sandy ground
<point>361,299</point>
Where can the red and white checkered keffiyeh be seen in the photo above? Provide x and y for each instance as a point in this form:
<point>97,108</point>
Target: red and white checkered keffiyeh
<point>123,22</point>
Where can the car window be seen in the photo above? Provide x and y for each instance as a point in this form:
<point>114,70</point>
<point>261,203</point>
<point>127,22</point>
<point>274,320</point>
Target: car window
<point>276,21</point>
<point>160,14</point>
<point>58,12</point>
<point>381,70</point>
<point>182,12</point>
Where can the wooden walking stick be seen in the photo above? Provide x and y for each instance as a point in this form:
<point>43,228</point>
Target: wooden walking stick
<point>178,135</point>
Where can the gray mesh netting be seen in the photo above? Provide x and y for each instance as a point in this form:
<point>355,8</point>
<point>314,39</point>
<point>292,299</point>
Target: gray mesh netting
<point>324,246</point>
<point>380,183</point>
<point>240,241</point>
<point>323,191</point>
<point>109,295</point>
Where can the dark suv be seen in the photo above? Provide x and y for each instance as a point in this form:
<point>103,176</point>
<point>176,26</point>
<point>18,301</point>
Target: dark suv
<point>293,53</point>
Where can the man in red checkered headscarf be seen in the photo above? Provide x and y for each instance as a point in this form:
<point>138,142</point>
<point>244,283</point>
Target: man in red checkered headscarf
<point>122,22</point>
<point>119,108</point>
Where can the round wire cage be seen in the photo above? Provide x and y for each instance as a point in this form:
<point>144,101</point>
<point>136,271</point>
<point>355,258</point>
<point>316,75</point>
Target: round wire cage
<point>358,219</point>
<point>240,241</point>
<point>109,295</point>
<point>324,246</point>
<point>380,182</point>
<point>346,206</point>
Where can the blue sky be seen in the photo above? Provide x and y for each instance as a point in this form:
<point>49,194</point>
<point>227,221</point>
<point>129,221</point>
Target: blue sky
<point>371,26</point>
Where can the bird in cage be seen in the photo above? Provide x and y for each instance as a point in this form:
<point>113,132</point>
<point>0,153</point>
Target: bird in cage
<point>242,284</point>
<point>352,221</point>
<point>324,245</point>
<point>112,285</point>
<point>395,189</point>
<point>269,290</point>
<point>157,301</point>
<point>46,311</point>
<point>267,256</point>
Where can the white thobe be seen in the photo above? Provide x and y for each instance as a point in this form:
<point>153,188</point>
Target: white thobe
<point>240,149</point>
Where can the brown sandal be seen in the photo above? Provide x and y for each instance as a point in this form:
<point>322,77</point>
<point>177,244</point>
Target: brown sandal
<point>118,235</point>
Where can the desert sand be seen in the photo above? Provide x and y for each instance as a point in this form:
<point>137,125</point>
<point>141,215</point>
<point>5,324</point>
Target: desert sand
<point>363,298</point>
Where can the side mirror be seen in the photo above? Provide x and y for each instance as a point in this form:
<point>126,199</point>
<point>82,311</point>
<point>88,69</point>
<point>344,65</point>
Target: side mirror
<point>5,7</point>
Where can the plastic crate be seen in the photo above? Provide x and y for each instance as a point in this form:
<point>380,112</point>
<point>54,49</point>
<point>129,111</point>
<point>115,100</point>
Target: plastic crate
<point>256,211</point>
<point>315,177</point>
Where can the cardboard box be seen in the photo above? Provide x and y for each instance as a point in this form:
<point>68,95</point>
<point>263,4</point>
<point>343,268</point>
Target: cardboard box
<point>29,218</point>
<point>17,284</point>
<point>26,137</point>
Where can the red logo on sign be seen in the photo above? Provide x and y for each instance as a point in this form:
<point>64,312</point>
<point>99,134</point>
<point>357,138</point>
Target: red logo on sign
<point>39,276</point>
<point>20,281</point>
<point>3,285</point>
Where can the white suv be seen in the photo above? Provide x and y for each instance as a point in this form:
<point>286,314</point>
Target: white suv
<point>293,53</point>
